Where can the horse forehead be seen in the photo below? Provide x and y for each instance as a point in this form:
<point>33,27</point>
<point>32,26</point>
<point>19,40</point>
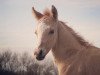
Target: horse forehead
<point>44,26</point>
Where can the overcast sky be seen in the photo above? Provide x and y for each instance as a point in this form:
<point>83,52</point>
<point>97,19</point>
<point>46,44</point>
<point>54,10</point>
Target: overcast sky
<point>17,23</point>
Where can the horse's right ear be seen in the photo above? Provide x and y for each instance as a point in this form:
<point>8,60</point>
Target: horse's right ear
<point>36,14</point>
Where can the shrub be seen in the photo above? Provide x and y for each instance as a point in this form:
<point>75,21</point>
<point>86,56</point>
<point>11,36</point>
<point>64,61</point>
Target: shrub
<point>16,64</point>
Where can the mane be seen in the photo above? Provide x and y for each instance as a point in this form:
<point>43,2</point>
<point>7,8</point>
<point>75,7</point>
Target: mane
<point>77,36</point>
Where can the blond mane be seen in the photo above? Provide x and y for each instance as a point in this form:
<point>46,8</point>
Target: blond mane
<point>77,36</point>
<point>47,12</point>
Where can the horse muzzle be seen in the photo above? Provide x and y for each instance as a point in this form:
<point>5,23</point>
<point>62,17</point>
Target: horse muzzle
<point>40,55</point>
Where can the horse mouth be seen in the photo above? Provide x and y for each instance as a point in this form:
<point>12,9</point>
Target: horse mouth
<point>40,56</point>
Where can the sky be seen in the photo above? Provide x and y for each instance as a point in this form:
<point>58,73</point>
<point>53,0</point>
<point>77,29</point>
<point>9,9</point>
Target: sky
<point>17,23</point>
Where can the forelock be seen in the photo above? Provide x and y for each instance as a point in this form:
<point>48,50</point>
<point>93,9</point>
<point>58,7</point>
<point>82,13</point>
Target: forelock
<point>47,13</point>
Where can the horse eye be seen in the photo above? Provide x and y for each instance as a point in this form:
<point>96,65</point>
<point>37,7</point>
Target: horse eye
<point>51,32</point>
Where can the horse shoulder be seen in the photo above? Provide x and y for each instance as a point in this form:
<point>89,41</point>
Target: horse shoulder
<point>93,61</point>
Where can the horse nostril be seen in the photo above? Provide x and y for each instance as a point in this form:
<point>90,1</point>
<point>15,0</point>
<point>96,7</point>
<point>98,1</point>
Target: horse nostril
<point>41,52</point>
<point>41,55</point>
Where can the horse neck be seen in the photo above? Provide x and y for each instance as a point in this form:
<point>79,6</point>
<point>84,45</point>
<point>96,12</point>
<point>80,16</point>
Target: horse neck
<point>66,45</point>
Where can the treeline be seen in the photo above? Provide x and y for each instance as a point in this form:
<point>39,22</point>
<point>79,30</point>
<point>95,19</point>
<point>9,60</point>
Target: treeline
<point>23,64</point>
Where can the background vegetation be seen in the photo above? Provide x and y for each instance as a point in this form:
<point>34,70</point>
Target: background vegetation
<point>23,64</point>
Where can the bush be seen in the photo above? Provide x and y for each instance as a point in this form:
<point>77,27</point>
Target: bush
<point>17,64</point>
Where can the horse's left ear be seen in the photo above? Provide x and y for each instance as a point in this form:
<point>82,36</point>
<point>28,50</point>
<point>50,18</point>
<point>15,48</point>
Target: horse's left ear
<point>54,12</point>
<point>36,14</point>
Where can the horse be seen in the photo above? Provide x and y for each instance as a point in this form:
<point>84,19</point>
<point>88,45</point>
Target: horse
<point>72,54</point>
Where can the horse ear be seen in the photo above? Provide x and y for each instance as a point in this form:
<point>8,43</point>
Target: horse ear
<point>54,12</point>
<point>36,14</point>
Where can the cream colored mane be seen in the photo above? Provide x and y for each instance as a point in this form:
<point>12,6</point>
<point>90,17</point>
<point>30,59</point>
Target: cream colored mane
<point>77,36</point>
